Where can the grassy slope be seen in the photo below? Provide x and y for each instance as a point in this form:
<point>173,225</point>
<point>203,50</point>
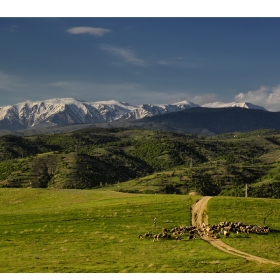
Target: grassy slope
<point>250,211</point>
<point>48,230</point>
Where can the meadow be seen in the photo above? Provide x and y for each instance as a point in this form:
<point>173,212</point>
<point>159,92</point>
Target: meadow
<point>250,211</point>
<point>96,231</point>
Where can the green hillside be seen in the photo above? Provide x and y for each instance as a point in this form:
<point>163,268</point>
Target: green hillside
<point>89,231</point>
<point>144,161</point>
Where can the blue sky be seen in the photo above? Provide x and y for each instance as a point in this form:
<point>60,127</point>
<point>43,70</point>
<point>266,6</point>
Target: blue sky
<point>155,60</point>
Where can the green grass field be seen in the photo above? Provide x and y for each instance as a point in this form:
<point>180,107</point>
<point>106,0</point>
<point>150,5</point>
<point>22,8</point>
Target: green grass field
<point>51,230</point>
<point>250,211</point>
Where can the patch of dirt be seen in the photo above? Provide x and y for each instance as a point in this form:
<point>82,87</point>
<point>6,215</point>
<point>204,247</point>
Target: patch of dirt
<point>199,217</point>
<point>193,193</point>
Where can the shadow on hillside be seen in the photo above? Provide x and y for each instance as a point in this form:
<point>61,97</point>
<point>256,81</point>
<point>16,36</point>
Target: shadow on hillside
<point>273,141</point>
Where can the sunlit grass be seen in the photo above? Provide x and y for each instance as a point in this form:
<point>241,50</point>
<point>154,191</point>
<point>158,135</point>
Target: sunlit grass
<point>251,211</point>
<point>44,230</point>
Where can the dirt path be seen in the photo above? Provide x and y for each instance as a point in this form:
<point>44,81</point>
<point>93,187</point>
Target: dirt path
<point>199,217</point>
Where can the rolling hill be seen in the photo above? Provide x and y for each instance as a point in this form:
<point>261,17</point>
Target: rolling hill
<point>142,160</point>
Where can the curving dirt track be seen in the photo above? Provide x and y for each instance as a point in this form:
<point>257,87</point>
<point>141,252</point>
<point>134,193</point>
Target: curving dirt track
<point>199,217</point>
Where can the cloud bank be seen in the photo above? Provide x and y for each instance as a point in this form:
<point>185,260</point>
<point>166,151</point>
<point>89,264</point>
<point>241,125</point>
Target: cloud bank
<point>94,31</point>
<point>268,97</point>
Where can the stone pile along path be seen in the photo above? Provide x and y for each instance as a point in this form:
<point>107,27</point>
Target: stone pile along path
<point>199,217</point>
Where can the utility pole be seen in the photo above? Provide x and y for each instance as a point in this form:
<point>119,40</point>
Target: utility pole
<point>246,190</point>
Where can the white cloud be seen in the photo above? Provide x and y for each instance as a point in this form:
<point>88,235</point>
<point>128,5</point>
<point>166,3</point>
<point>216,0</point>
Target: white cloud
<point>125,54</point>
<point>265,96</point>
<point>95,31</point>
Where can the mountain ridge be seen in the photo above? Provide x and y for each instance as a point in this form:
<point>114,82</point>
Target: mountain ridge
<point>65,111</point>
<point>246,105</point>
<point>206,121</point>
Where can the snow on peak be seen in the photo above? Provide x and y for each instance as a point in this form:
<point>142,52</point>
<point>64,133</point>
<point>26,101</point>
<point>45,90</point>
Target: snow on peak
<point>186,102</point>
<point>114,103</point>
<point>62,101</point>
<point>233,104</point>
<point>71,110</point>
<point>109,102</point>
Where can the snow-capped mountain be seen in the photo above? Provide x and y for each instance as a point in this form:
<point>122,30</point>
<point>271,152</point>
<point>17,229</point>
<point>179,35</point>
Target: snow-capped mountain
<point>62,111</point>
<point>32,114</point>
<point>148,110</point>
<point>233,104</point>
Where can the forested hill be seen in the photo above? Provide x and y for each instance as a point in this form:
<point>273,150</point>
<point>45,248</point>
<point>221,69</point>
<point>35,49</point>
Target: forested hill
<point>142,160</point>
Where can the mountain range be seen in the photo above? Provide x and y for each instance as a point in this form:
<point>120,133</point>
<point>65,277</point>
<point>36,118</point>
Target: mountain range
<point>65,111</point>
<point>208,121</point>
